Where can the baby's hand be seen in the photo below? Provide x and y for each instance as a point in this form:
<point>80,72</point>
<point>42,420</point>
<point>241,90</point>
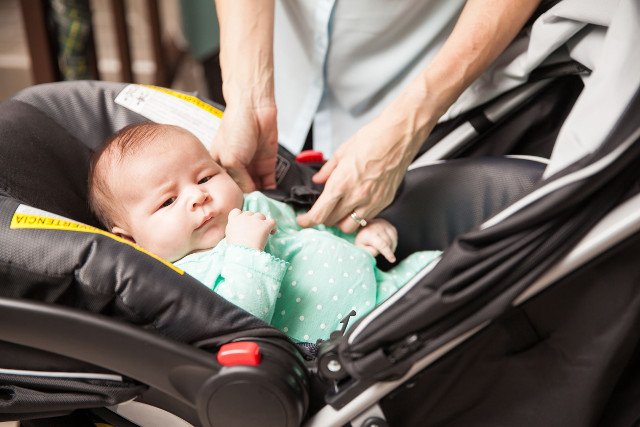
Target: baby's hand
<point>378,237</point>
<point>249,229</point>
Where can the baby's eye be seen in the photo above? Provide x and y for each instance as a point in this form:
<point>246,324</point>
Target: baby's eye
<point>168,202</point>
<point>205,179</point>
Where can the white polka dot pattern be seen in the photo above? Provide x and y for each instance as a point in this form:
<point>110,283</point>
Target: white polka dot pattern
<point>310,277</point>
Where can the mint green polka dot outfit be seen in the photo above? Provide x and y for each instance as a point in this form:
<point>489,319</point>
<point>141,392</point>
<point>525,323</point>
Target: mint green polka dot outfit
<point>306,280</point>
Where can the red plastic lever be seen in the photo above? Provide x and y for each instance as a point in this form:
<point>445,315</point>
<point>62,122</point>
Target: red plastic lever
<point>239,353</point>
<point>310,156</point>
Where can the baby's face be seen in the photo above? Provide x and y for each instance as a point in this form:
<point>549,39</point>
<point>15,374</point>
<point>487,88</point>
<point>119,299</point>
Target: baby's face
<point>176,199</point>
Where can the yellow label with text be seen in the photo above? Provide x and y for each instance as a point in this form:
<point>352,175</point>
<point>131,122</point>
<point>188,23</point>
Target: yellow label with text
<point>47,223</point>
<point>190,99</point>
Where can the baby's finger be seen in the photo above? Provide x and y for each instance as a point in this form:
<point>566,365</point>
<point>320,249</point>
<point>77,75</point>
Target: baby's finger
<point>392,235</point>
<point>260,216</point>
<point>234,212</point>
<point>388,253</point>
<point>382,245</point>
<point>372,250</point>
<point>272,225</point>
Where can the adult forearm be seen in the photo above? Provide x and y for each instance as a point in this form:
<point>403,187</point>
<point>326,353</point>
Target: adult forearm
<point>246,51</point>
<point>484,29</point>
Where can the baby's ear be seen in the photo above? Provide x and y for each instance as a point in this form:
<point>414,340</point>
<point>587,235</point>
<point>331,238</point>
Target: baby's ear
<point>121,232</point>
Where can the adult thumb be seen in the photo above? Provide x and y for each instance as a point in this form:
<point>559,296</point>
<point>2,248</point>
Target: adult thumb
<point>243,179</point>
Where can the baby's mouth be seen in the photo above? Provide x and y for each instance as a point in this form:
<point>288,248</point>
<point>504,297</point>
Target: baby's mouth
<point>208,218</point>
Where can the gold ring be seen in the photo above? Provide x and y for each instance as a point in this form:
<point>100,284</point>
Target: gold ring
<point>361,221</point>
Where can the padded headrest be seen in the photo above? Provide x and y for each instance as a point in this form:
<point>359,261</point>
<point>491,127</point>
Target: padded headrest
<point>86,109</point>
<point>42,164</point>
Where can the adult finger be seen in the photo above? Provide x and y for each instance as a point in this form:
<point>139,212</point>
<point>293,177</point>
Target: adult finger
<point>242,178</point>
<point>266,181</point>
<point>344,200</point>
<point>320,211</point>
<point>348,224</point>
<point>325,171</point>
<point>263,166</point>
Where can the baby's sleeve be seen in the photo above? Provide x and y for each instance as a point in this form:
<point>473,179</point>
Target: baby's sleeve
<point>251,279</point>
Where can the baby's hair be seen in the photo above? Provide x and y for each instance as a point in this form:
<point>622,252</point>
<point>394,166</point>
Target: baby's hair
<point>127,141</point>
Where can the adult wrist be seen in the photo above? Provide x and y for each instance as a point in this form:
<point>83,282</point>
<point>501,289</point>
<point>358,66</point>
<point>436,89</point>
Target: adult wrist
<point>249,95</point>
<point>415,112</point>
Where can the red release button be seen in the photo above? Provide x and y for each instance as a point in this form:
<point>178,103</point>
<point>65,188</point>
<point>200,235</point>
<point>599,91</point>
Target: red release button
<point>310,156</point>
<point>239,353</point>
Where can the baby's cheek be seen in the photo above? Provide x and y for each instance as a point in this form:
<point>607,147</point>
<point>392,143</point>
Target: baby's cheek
<point>168,252</point>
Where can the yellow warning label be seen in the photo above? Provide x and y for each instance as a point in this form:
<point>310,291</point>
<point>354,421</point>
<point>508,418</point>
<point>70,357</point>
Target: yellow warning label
<point>190,99</point>
<point>40,222</point>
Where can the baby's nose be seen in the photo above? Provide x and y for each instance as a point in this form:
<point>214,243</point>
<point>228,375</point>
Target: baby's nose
<point>199,197</point>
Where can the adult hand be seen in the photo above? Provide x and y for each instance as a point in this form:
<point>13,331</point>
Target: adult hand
<point>247,146</point>
<point>247,141</point>
<point>363,175</point>
<point>365,172</point>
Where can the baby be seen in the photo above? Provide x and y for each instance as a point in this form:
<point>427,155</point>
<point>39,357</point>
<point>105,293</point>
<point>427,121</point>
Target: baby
<point>157,186</point>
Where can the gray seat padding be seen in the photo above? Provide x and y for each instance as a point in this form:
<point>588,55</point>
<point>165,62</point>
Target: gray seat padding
<point>42,164</point>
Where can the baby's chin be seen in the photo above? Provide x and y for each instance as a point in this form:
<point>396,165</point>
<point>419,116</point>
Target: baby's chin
<point>203,244</point>
<point>199,242</point>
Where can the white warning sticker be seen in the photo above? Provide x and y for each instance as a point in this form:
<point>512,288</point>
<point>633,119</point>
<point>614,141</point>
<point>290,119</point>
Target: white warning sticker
<point>170,107</point>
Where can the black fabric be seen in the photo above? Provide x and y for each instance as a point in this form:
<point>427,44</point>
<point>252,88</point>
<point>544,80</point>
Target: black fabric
<point>41,163</point>
<point>294,184</point>
<point>530,129</point>
<point>533,128</point>
<point>580,367</point>
<point>85,109</point>
<point>438,202</point>
<point>33,396</point>
<point>482,271</point>
<point>622,408</point>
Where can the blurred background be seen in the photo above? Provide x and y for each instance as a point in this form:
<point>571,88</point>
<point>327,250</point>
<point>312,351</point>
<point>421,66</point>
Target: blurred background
<point>171,43</point>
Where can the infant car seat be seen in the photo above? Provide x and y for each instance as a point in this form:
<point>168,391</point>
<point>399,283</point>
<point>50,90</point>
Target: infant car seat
<point>88,321</point>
